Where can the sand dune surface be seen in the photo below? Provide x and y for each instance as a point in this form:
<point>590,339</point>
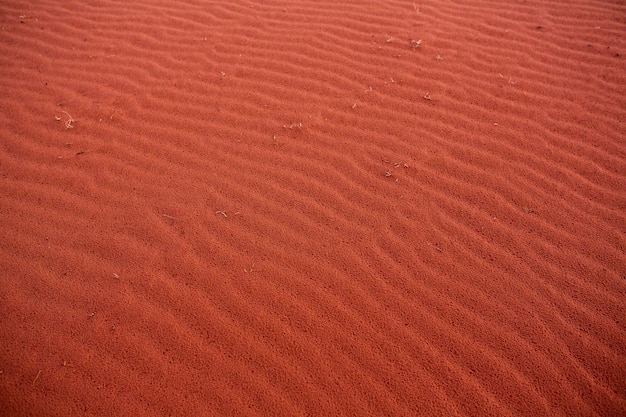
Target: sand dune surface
<point>313,208</point>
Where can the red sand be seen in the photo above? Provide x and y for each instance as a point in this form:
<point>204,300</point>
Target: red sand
<point>282,208</point>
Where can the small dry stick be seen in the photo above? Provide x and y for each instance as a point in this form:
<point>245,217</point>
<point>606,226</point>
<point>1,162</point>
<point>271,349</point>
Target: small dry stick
<point>437,248</point>
<point>37,377</point>
<point>416,43</point>
<point>427,96</point>
<point>293,125</point>
<point>69,122</point>
<point>222,213</point>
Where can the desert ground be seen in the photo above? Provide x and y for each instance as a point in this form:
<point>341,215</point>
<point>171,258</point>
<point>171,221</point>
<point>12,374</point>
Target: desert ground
<point>313,208</point>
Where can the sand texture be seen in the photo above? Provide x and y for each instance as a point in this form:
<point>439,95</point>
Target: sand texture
<point>313,208</point>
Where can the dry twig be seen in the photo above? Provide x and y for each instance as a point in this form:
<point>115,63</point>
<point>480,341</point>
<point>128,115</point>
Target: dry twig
<point>69,123</point>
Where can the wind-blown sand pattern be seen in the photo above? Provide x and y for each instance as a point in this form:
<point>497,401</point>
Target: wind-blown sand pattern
<point>313,208</point>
